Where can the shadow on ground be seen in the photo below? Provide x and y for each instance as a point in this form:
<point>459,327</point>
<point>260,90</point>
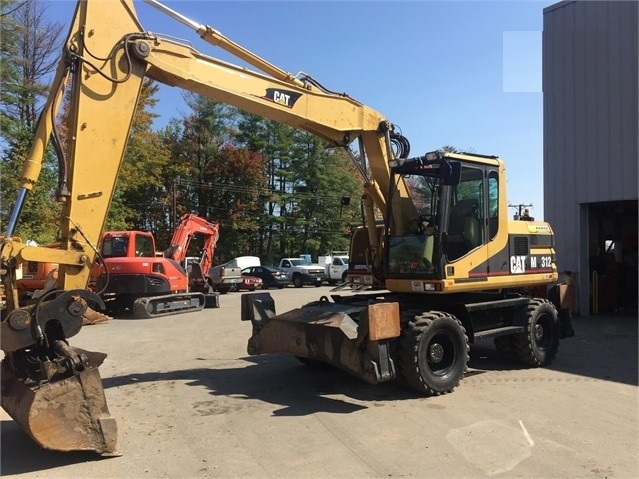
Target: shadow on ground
<point>277,379</point>
<point>604,347</point>
<point>16,445</point>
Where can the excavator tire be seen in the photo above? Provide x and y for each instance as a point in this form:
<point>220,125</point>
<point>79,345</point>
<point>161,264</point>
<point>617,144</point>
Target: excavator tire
<point>433,353</point>
<point>539,343</point>
<point>70,414</point>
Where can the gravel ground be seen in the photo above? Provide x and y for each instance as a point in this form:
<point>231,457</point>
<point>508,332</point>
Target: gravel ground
<point>190,403</point>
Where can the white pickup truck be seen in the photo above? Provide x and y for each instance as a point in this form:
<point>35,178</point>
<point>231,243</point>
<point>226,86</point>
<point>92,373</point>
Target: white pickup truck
<point>301,272</point>
<point>335,265</point>
<point>223,278</point>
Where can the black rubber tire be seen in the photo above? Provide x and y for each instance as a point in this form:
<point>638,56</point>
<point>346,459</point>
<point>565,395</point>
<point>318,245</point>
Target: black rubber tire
<point>539,343</point>
<point>234,288</point>
<point>298,282</point>
<point>441,336</point>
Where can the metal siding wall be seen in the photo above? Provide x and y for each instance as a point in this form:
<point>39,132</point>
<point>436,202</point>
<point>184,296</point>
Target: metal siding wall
<point>591,113</point>
<point>600,157</point>
<point>629,101</point>
<point>560,207</point>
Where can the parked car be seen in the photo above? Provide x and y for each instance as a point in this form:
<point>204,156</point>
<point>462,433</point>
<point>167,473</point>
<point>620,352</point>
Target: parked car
<point>250,283</point>
<point>271,277</point>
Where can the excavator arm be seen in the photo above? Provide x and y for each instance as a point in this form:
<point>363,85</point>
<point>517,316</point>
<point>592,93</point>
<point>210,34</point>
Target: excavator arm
<point>191,225</point>
<point>106,57</point>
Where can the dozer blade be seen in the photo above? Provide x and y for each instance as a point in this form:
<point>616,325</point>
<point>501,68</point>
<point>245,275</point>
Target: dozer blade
<point>70,414</point>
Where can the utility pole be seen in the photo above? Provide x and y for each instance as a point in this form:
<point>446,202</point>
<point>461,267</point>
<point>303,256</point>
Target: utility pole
<point>175,203</point>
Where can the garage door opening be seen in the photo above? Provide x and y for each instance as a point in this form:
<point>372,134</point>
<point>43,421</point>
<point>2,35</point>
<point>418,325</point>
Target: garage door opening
<point>612,247</point>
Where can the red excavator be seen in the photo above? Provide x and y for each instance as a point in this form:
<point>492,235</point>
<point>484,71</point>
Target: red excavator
<point>199,273</point>
<point>132,277</point>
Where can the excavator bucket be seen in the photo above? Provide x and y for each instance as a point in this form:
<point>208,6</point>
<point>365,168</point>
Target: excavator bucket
<point>70,414</point>
<point>51,389</point>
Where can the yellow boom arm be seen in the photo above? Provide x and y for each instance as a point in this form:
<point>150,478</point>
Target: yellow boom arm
<point>108,55</point>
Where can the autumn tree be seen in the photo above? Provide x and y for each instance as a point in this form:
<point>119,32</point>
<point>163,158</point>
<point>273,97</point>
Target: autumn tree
<point>235,183</point>
<point>217,180</point>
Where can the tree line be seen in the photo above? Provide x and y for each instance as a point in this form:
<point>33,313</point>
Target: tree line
<point>276,191</point>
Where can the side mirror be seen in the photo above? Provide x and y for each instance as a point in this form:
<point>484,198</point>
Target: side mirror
<point>451,172</point>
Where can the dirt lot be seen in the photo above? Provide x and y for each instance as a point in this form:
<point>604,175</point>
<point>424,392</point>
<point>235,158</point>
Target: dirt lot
<point>190,403</point>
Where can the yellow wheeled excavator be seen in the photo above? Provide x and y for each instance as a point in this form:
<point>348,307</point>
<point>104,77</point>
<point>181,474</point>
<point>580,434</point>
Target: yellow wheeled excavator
<point>448,266</point>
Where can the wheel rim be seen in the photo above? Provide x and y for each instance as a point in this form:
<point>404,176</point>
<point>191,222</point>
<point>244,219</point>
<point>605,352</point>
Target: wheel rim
<point>440,355</point>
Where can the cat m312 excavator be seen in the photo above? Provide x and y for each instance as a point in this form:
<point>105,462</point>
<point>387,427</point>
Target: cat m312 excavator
<point>449,266</point>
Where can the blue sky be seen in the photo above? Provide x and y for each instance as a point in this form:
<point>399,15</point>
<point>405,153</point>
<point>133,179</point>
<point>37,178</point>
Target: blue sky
<point>462,73</point>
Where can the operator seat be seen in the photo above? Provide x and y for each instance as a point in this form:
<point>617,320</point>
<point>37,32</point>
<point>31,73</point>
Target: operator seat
<point>464,231</point>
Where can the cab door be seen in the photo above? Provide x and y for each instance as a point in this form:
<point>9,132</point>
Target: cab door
<point>467,231</point>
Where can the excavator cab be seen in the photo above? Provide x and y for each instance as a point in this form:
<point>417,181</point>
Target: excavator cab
<point>418,247</point>
<point>460,232</point>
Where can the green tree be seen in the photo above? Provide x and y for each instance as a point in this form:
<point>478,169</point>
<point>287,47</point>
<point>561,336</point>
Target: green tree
<point>321,177</point>
<point>143,191</point>
<point>9,73</point>
<point>29,42</point>
<point>276,143</point>
<point>306,181</point>
<point>32,49</point>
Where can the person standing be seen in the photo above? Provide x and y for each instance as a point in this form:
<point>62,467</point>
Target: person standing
<point>526,216</point>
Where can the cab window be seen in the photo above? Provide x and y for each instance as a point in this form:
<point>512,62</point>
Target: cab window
<point>467,218</point>
<point>493,204</point>
<point>143,247</point>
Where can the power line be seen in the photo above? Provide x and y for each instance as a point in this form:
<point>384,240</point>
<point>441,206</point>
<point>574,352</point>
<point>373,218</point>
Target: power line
<point>256,190</point>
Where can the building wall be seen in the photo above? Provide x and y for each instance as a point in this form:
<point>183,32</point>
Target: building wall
<point>590,78</point>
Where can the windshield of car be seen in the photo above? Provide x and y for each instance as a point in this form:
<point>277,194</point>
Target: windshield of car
<point>298,262</point>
